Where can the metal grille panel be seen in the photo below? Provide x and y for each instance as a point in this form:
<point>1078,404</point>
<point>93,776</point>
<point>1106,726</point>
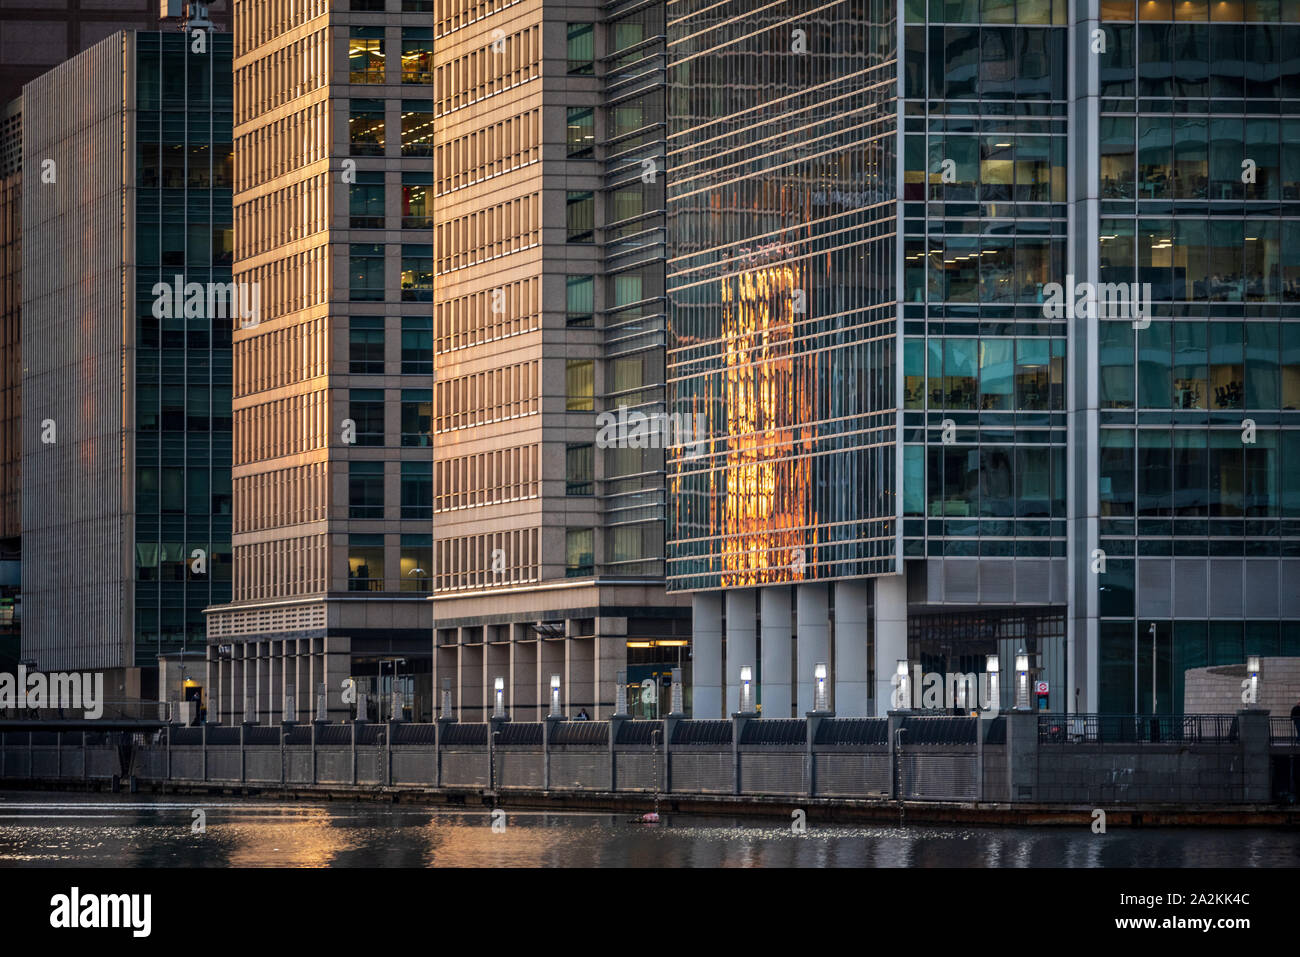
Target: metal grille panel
<point>939,777</point>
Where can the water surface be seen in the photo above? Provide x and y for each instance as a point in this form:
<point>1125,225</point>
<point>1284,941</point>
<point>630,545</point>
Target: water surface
<point>50,830</point>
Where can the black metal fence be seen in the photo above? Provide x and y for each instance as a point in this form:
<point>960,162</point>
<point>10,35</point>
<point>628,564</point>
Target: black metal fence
<point>1137,728</point>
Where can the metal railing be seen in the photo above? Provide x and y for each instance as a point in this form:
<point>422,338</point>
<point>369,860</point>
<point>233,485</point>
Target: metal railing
<point>1137,728</point>
<point>124,709</point>
<point>1283,731</point>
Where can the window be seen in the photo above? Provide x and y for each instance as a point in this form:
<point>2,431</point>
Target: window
<point>366,128</point>
<point>913,480</point>
<point>1115,490</point>
<point>580,300</point>
<point>417,55</point>
<point>579,381</point>
<point>578,558</point>
<point>959,367</point>
<point>417,273</point>
<point>582,131</point>
<point>365,490</point>
<point>146,408</point>
<point>1227,387</point>
<point>417,127</point>
<point>579,462</point>
<point>366,345</point>
<point>366,409</point>
<point>914,373</point>
<point>996,374</point>
<point>582,49</point>
<point>197,409</point>
<point>221,482</point>
<point>416,563</point>
<point>1261,365</point>
<point>366,272</point>
<point>417,490</point>
<point>1154,462</point>
<point>1189,366</point>
<point>365,563</point>
<point>1155,155</point>
<point>1033,482</point>
<point>416,200</point>
<point>1118,153</point>
<point>580,216</point>
<point>1033,382</point>
<point>1290,335</point>
<point>1115,347</point>
<point>146,489</point>
<point>366,55</point>
<point>417,411</point>
<point>366,201</point>
<point>417,345</point>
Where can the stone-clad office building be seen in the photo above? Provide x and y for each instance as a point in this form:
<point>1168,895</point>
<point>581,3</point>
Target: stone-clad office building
<point>461,268</point>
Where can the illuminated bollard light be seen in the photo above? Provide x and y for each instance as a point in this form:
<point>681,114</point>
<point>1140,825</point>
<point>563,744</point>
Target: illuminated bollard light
<point>746,690</point>
<point>1022,680</point>
<point>1252,672</point>
<point>819,696</point>
<point>499,698</point>
<point>993,666</point>
<point>555,696</point>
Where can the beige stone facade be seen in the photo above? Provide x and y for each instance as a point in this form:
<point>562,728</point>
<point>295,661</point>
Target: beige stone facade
<point>417,487</point>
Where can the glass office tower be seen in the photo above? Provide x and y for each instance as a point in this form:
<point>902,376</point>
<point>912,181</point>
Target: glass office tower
<point>1102,491</point>
<point>783,337</point>
<point>126,393</point>
<point>1198,440</point>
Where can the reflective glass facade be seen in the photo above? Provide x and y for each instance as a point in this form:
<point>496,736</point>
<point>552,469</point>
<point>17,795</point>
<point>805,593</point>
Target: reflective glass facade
<point>1135,483</point>
<point>183,213</point>
<point>782,290</point>
<point>984,190</point>
<point>1200,197</point>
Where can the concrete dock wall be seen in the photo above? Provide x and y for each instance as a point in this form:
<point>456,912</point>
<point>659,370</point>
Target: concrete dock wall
<point>1018,757</point>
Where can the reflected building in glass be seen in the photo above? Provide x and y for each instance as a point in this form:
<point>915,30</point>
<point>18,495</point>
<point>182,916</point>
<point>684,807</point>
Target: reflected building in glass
<point>911,453</point>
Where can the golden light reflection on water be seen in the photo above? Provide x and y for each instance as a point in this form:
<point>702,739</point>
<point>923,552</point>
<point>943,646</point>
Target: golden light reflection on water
<point>763,512</point>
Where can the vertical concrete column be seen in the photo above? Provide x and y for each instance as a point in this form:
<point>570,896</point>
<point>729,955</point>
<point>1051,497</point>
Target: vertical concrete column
<point>812,641</point>
<point>852,692</point>
<point>742,640</point>
<point>706,654</point>
<point>777,627</point>
<point>1252,736</point>
<point>891,635</point>
<point>1022,755</point>
<point>211,676</point>
<point>302,681</point>
<point>261,686</point>
<point>313,679</point>
<point>336,665</point>
<point>277,662</point>
<point>216,692</point>
<point>239,686</point>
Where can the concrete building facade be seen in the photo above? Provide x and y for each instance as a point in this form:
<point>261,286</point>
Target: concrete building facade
<point>420,498</point>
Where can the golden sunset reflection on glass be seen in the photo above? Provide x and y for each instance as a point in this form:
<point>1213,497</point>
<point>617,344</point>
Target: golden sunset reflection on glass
<point>762,513</point>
